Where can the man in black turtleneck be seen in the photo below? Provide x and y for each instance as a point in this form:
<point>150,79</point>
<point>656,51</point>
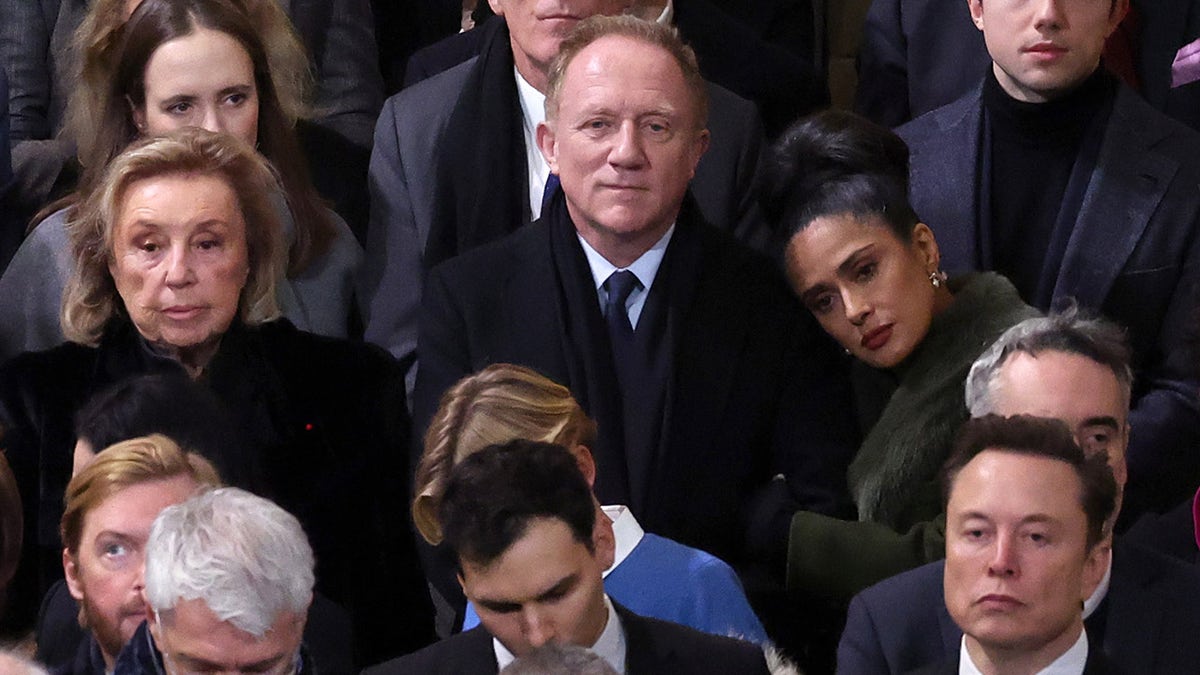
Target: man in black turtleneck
<point>1067,182</point>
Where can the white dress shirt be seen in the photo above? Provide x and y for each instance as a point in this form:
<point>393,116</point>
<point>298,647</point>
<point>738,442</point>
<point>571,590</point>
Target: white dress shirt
<point>627,531</point>
<point>645,268</point>
<point>533,113</point>
<point>1071,662</point>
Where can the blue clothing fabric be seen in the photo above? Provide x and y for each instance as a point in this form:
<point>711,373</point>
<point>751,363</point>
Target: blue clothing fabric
<point>663,579</point>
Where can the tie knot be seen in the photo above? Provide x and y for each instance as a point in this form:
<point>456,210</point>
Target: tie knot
<point>620,284</point>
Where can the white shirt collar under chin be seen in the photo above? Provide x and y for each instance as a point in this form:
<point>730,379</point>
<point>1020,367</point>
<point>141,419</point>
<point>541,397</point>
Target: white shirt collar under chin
<point>1097,595</point>
<point>645,268</point>
<point>1071,662</point>
<point>610,645</point>
<point>533,113</point>
<point>627,531</point>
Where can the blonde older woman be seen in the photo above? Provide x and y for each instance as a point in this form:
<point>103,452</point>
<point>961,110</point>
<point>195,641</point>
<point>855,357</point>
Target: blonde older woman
<point>176,256</point>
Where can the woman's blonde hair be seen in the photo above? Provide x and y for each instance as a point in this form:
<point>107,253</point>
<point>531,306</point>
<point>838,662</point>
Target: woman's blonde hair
<point>139,460</point>
<point>498,404</point>
<point>90,300</point>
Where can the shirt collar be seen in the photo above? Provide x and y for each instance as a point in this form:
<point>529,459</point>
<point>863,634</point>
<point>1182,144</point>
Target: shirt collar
<point>610,645</point>
<point>627,532</point>
<point>645,268</point>
<point>1071,662</point>
<point>533,103</point>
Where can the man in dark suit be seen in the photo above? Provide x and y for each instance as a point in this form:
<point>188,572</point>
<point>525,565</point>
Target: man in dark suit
<point>1026,543</point>
<point>705,377</point>
<point>531,555</point>
<point>456,164</point>
<point>784,84</point>
<point>918,55</point>
<point>1078,372</point>
<point>1068,183</point>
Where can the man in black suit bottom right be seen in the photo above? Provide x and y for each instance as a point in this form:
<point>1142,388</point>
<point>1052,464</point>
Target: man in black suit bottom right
<point>1143,615</point>
<point>1026,545</point>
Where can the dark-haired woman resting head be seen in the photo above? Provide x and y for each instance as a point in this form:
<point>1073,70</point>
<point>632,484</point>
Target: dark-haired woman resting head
<point>176,255</point>
<point>866,267</point>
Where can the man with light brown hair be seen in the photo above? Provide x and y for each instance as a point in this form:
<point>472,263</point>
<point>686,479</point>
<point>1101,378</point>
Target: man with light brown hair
<point>110,505</point>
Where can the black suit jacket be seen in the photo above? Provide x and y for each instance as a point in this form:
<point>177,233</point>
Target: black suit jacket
<point>918,55</point>
<point>784,85</point>
<point>652,647</point>
<point>1150,619</point>
<point>1133,255</point>
<point>754,390</point>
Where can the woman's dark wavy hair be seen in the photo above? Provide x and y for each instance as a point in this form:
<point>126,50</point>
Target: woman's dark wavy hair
<point>156,22</point>
<point>835,163</point>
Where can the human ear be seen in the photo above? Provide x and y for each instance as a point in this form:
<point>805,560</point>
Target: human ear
<point>546,138</point>
<point>976,8</point>
<point>700,147</point>
<point>71,573</point>
<point>138,114</point>
<point>1094,567</point>
<point>926,246</point>
<point>604,542</point>
<point>587,464</point>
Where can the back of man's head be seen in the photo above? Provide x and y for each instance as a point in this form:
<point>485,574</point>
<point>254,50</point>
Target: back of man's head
<point>242,555</point>
<point>493,495</point>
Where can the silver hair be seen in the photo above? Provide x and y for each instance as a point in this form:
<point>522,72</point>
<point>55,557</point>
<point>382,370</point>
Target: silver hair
<point>553,659</point>
<point>243,555</point>
<point>12,663</point>
<point>1094,338</point>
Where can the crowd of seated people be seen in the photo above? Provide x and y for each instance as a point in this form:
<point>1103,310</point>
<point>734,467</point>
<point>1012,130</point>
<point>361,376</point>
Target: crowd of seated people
<point>622,354</point>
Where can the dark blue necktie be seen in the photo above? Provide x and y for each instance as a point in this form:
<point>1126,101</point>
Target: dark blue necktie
<point>552,185</point>
<point>620,330</point>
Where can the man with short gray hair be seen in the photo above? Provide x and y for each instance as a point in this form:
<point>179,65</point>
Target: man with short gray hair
<point>228,582</point>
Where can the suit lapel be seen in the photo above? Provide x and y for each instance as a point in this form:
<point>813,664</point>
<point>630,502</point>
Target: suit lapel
<point>643,654</point>
<point>707,336</point>
<point>1128,184</point>
<point>535,323</point>
<point>556,328</point>
<point>1131,620</point>
<point>955,170</point>
<point>950,632</point>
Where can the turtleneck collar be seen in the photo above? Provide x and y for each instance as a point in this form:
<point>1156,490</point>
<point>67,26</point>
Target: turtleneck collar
<point>1062,120</point>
